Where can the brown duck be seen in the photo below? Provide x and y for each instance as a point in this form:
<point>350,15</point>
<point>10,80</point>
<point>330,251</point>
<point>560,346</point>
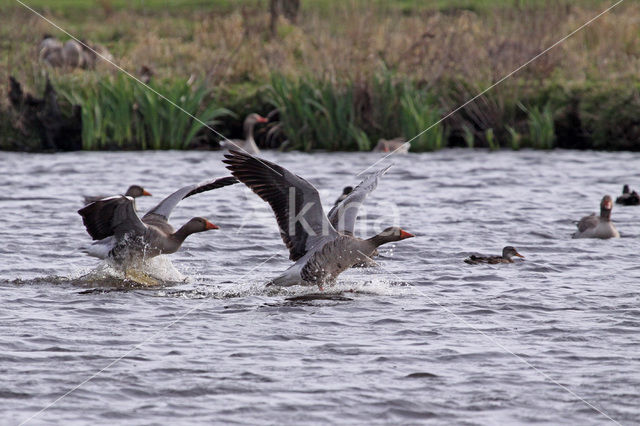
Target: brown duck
<point>122,236</point>
<point>322,247</point>
<point>507,254</point>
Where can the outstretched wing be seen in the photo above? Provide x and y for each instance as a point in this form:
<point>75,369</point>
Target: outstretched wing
<point>111,216</point>
<point>343,215</point>
<point>295,202</point>
<point>167,205</point>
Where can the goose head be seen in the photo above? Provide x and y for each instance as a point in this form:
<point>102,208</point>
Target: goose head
<point>509,251</point>
<point>136,191</point>
<point>606,205</point>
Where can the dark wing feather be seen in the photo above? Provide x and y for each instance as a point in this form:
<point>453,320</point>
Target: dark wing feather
<point>210,185</point>
<point>111,216</point>
<point>275,184</point>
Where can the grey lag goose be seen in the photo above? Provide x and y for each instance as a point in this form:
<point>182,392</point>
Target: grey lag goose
<point>133,191</point>
<point>507,254</point>
<point>124,237</point>
<point>628,197</point>
<point>593,226</point>
<point>322,247</point>
<point>248,144</point>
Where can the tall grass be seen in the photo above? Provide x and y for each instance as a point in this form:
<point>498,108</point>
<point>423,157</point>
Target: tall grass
<point>418,116</point>
<point>317,114</point>
<point>541,127</point>
<point>120,113</point>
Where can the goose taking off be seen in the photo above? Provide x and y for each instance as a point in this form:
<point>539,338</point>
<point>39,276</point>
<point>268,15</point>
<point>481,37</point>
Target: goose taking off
<point>248,144</point>
<point>322,247</point>
<point>134,191</point>
<point>122,236</point>
<point>507,253</point>
<point>598,226</point>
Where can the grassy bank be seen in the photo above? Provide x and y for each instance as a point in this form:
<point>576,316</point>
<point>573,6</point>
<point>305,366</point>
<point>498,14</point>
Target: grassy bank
<point>342,77</point>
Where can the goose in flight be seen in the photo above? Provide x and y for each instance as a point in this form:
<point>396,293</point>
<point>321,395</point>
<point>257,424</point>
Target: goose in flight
<point>321,246</point>
<point>124,237</point>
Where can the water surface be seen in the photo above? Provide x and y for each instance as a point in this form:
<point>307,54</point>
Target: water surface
<point>422,338</point>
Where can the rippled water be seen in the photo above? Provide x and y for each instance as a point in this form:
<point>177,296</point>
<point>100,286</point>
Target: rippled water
<point>422,338</point>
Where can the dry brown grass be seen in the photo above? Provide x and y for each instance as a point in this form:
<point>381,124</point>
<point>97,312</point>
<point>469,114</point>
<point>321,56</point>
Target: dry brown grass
<point>355,43</point>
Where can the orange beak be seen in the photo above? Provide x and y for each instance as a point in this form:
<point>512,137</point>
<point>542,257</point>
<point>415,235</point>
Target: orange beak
<point>608,205</point>
<point>210,225</point>
<point>261,119</point>
<point>145,192</point>
<point>519,255</point>
<point>405,234</point>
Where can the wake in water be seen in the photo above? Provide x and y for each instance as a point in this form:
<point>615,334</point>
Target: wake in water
<point>152,272</point>
<point>230,290</point>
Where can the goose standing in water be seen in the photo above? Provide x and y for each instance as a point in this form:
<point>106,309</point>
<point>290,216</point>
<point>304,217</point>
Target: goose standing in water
<point>134,191</point>
<point>125,238</point>
<point>248,144</point>
<point>598,226</point>
<point>507,253</point>
<point>322,247</point>
<point>628,197</point>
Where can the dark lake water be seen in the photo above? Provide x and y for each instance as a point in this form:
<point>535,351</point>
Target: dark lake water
<point>423,338</point>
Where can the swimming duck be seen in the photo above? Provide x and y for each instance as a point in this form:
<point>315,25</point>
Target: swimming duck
<point>593,226</point>
<point>321,246</point>
<point>248,144</point>
<point>124,237</point>
<point>346,191</point>
<point>507,253</point>
<point>628,198</point>
<point>133,191</point>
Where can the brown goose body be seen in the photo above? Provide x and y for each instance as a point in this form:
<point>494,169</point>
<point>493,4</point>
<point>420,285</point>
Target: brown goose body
<point>321,246</point>
<point>593,226</point>
<point>124,237</point>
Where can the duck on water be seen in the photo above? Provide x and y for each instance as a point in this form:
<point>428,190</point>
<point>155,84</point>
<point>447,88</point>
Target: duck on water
<point>322,246</point>
<point>507,257</point>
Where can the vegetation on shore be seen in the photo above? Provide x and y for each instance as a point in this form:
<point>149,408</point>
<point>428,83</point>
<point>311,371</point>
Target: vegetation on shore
<point>341,79</point>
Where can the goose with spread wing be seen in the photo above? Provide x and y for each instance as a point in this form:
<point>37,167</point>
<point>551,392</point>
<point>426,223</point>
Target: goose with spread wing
<point>123,236</point>
<point>321,246</point>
